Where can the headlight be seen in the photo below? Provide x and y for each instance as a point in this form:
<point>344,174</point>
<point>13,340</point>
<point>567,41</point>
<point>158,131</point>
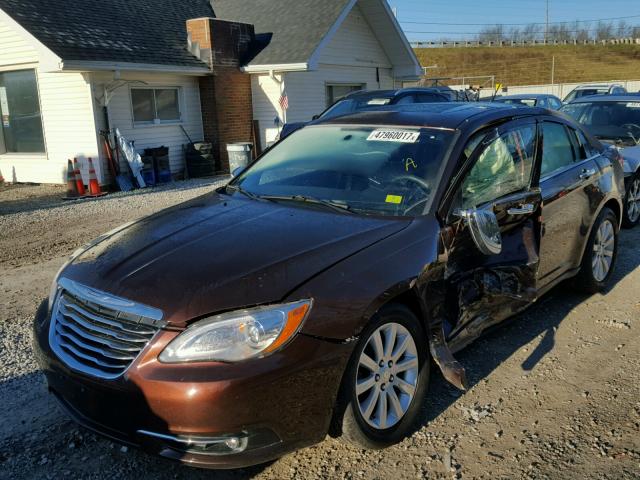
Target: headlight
<point>239,335</point>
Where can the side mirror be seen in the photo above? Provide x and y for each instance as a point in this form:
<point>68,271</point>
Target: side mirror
<point>485,230</point>
<point>237,171</point>
<point>315,117</point>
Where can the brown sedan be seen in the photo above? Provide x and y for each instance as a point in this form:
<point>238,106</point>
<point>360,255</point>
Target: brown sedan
<point>311,294</point>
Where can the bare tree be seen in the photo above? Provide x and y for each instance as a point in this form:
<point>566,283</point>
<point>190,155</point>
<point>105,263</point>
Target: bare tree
<point>582,32</point>
<point>604,31</point>
<point>623,29</point>
<point>495,33</point>
<point>529,32</point>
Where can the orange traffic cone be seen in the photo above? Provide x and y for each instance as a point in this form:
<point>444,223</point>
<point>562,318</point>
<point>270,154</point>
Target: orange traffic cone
<point>79,182</point>
<point>72,188</point>
<point>94,186</point>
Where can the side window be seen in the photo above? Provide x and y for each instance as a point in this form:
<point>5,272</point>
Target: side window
<point>542,103</point>
<point>555,104</point>
<point>405,100</point>
<point>428,98</point>
<point>557,149</point>
<point>504,166</point>
<point>579,150</point>
<point>589,149</point>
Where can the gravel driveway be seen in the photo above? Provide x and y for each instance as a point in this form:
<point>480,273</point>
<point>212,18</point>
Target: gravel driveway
<point>555,393</point>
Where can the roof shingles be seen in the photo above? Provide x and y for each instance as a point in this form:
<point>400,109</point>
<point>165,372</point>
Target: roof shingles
<point>119,31</point>
<point>154,31</point>
<point>293,29</point>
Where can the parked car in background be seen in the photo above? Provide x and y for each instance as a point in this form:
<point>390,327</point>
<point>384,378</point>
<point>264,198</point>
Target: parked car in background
<point>371,99</point>
<point>311,294</point>
<point>532,100</point>
<point>594,89</point>
<point>616,121</point>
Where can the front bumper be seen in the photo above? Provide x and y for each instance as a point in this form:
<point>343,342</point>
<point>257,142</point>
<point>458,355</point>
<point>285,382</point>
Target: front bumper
<point>279,403</point>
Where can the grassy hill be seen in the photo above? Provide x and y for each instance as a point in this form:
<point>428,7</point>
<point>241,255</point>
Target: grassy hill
<point>532,65</point>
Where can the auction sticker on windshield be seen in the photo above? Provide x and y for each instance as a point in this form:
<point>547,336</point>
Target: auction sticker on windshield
<point>633,105</point>
<point>401,136</point>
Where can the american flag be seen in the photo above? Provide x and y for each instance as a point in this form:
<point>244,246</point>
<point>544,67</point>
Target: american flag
<point>284,101</point>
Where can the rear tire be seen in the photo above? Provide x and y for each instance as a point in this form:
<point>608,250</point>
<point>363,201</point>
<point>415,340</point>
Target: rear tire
<point>631,215</point>
<point>601,252</point>
<point>384,400</point>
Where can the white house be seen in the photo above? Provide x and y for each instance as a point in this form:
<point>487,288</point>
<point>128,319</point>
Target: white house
<point>162,71</point>
<point>317,52</point>
<point>59,58</point>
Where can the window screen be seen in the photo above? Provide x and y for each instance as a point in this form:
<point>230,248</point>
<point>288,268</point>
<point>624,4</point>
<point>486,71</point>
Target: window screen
<point>155,105</point>
<point>20,119</point>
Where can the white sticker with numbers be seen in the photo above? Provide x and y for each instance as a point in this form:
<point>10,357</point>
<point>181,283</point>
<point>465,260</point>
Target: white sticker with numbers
<point>401,136</point>
<point>633,105</point>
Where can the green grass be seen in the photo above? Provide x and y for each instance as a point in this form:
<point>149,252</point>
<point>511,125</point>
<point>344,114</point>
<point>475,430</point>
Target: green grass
<point>532,65</point>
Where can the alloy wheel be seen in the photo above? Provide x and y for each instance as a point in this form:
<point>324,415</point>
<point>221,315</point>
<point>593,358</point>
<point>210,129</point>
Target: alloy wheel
<point>387,376</point>
<point>603,250</point>
<point>633,201</point>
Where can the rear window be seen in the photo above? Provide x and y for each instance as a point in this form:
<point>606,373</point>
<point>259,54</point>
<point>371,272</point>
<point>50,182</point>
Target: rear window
<point>529,102</point>
<point>616,122</point>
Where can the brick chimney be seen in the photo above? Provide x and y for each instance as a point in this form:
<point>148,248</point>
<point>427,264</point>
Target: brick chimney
<point>225,94</point>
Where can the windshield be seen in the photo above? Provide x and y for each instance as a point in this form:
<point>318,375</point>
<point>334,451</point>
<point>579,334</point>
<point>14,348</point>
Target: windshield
<point>368,170</point>
<point>529,102</point>
<point>586,92</point>
<point>351,105</point>
<point>615,122</point>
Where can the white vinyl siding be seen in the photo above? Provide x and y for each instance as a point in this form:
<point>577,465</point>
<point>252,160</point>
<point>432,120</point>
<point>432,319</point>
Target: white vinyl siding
<point>265,92</point>
<point>14,49</point>
<point>68,124</point>
<point>353,56</point>
<point>354,44</point>
<point>152,136</point>
<point>307,90</point>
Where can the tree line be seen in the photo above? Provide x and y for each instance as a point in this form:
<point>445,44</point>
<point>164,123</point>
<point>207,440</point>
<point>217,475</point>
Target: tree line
<point>578,31</point>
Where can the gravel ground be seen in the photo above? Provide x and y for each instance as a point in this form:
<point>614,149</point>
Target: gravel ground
<point>555,393</point>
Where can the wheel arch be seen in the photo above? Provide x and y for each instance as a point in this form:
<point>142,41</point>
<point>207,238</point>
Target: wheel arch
<point>615,206</point>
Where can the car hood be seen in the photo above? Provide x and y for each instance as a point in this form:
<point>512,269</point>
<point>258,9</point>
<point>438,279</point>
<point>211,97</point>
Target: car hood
<point>218,253</point>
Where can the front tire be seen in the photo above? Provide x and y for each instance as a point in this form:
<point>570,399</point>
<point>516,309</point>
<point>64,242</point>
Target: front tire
<point>631,215</point>
<point>386,380</point>
<point>600,254</point>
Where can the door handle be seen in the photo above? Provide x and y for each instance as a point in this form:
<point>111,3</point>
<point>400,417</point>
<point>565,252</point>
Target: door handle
<point>587,173</point>
<point>525,209</point>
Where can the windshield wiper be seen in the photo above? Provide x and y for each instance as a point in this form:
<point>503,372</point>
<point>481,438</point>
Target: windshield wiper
<point>338,207</point>
<point>246,193</point>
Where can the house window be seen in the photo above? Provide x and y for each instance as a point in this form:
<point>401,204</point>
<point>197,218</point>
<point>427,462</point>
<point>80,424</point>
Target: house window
<point>155,105</point>
<point>20,121</point>
<point>337,91</point>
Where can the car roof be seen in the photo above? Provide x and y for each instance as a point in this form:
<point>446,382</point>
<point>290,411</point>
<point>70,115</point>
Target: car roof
<point>597,85</point>
<point>627,97</point>
<point>523,96</point>
<point>392,93</point>
<point>442,115</point>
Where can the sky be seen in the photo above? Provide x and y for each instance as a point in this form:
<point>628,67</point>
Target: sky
<point>501,11</point>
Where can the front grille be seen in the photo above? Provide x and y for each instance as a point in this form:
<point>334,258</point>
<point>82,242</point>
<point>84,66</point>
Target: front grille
<point>97,333</point>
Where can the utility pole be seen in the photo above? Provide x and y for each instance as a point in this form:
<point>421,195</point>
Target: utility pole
<point>546,29</point>
<point>553,70</point>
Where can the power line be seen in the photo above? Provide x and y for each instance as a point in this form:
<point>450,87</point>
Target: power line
<point>506,33</point>
<point>519,24</point>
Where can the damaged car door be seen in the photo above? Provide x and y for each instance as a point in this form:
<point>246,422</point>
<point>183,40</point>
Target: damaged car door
<point>494,225</point>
